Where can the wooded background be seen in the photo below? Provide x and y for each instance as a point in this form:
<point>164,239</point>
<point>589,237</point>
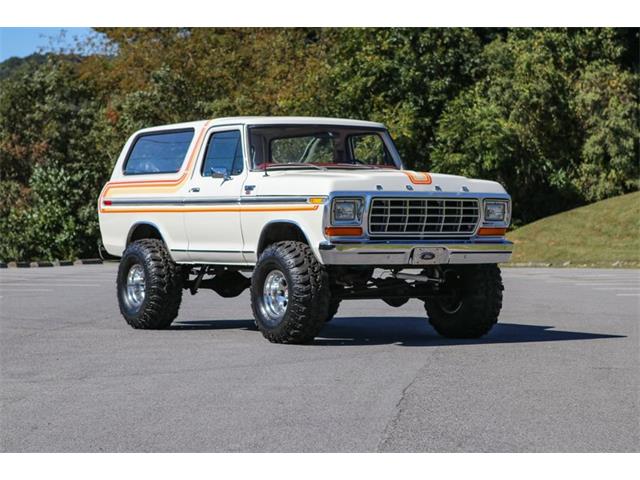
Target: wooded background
<point>552,114</point>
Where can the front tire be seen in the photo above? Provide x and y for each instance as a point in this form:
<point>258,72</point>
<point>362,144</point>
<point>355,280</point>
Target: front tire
<point>289,293</point>
<point>149,285</point>
<point>473,306</point>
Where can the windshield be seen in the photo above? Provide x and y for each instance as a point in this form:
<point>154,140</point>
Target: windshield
<point>314,146</point>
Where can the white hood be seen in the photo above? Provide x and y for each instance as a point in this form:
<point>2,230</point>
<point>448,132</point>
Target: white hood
<point>315,182</point>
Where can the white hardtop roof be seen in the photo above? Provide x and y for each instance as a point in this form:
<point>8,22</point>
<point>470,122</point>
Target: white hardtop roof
<point>272,121</point>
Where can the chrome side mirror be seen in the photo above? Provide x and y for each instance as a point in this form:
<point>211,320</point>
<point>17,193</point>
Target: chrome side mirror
<point>220,173</point>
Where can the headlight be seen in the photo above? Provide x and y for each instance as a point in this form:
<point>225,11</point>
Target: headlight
<point>495,211</point>
<point>347,210</point>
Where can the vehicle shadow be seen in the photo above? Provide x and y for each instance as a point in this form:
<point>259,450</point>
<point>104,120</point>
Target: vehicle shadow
<point>407,331</point>
<point>213,325</point>
<point>415,331</point>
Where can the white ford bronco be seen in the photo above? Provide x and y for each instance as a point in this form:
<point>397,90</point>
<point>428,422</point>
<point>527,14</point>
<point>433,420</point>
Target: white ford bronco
<point>305,212</point>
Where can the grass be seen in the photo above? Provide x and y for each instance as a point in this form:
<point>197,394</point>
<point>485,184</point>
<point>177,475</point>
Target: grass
<point>603,234</point>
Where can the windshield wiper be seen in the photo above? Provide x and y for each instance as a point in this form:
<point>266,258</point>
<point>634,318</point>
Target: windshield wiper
<point>294,165</point>
<point>353,165</point>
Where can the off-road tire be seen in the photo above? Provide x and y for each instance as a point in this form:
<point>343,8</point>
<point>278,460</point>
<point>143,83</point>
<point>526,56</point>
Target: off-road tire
<point>481,300</point>
<point>163,285</point>
<point>309,294</point>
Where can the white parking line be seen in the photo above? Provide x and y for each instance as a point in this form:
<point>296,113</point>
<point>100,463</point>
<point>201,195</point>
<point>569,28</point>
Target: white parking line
<point>627,294</point>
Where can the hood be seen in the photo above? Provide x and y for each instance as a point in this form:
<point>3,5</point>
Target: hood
<point>315,182</point>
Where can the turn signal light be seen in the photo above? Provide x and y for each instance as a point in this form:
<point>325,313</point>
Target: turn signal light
<point>491,231</point>
<point>343,231</point>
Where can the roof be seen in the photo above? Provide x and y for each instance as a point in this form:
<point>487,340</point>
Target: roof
<point>272,121</point>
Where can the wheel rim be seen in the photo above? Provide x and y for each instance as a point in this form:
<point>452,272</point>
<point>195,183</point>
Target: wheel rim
<point>451,303</point>
<point>275,297</point>
<point>134,289</point>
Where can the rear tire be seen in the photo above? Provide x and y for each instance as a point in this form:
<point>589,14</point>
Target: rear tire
<point>473,309</point>
<point>289,293</point>
<point>149,285</point>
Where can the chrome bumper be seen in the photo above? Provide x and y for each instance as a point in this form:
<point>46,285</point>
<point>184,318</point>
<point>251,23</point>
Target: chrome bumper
<point>415,253</point>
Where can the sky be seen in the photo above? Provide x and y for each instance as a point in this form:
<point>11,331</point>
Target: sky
<point>20,42</point>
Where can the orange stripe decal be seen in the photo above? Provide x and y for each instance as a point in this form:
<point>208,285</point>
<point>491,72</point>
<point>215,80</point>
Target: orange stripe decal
<point>169,184</point>
<point>418,178</point>
<point>212,209</point>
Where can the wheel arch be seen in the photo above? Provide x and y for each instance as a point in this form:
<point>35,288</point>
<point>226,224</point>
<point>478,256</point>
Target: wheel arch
<point>145,229</point>
<point>279,230</point>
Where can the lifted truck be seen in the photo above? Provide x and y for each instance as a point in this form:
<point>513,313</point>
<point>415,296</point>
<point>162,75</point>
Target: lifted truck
<point>305,212</point>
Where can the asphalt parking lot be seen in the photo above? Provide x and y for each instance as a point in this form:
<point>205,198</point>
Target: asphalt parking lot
<point>559,373</point>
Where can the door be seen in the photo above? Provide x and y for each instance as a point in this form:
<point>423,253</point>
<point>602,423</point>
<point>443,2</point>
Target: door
<point>212,210</point>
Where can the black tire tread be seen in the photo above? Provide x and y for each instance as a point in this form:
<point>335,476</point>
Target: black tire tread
<point>164,281</point>
<point>308,298</point>
<point>481,304</point>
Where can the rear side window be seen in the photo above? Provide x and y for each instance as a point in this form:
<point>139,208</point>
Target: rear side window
<point>224,151</point>
<point>159,152</point>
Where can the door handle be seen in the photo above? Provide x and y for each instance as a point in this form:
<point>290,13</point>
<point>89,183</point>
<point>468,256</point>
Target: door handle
<point>194,189</point>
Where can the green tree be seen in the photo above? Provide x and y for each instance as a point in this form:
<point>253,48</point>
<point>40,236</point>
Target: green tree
<point>49,162</point>
<point>402,77</point>
<point>552,117</point>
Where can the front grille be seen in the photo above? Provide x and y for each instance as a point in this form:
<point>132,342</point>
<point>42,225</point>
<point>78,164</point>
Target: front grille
<point>423,217</point>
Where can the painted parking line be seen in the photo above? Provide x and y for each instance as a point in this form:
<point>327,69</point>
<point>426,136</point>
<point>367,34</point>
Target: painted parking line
<point>627,294</point>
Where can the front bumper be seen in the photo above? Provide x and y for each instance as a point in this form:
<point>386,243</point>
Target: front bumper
<point>416,253</point>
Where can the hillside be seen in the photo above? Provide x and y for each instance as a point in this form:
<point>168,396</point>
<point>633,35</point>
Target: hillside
<point>13,64</point>
<point>605,233</point>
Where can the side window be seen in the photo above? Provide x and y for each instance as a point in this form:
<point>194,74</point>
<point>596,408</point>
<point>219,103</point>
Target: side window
<point>369,149</point>
<point>224,150</point>
<point>161,152</point>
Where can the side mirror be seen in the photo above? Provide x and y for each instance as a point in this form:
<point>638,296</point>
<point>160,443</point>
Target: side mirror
<point>220,173</point>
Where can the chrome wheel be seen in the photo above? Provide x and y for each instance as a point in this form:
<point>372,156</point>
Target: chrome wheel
<point>134,289</point>
<point>275,297</point>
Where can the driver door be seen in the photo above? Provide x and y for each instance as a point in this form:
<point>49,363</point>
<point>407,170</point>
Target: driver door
<point>212,210</point>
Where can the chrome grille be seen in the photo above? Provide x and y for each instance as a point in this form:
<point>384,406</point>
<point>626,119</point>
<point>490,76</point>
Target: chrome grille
<point>423,217</point>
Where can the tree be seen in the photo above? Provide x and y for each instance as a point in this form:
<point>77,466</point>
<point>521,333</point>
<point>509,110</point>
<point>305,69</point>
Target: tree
<point>49,163</point>
<point>552,118</point>
<point>402,77</point>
